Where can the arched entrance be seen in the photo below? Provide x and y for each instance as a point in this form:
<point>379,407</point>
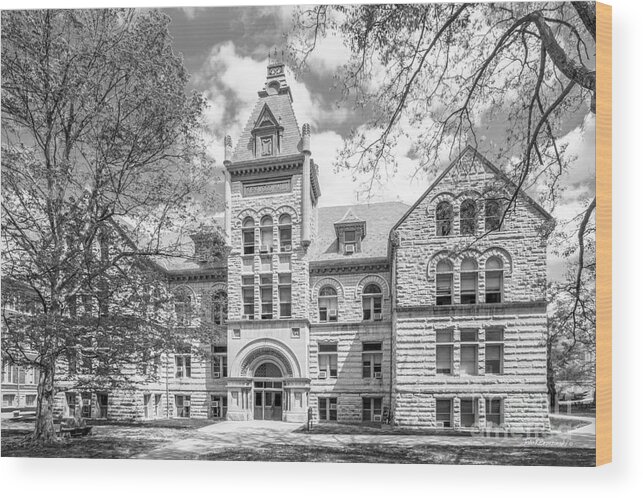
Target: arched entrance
<point>268,392</point>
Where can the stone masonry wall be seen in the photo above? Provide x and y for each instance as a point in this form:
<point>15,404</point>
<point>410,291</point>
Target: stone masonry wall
<point>522,313</point>
<point>257,207</point>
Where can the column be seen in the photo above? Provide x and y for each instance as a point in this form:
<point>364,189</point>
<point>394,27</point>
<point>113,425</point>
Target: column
<point>305,187</point>
<point>228,192</point>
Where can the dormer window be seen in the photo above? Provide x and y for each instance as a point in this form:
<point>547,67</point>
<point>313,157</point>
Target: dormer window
<point>266,134</point>
<point>350,231</point>
<point>266,146</point>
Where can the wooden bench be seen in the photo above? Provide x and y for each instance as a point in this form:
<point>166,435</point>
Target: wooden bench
<point>76,431</point>
<point>64,428</point>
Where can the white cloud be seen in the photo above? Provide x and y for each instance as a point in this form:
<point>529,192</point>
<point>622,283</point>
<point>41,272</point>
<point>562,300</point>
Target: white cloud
<point>329,55</point>
<point>581,148</point>
<point>190,12</point>
<point>347,186</point>
<point>231,83</point>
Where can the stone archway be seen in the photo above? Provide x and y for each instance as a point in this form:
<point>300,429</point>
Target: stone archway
<point>268,391</point>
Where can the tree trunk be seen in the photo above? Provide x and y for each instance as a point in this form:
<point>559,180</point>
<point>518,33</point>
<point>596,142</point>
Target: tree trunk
<point>551,380</point>
<point>44,429</point>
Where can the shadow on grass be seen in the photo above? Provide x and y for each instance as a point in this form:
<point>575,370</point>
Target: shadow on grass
<point>421,454</point>
<point>109,439</point>
<point>167,423</point>
<point>14,444</point>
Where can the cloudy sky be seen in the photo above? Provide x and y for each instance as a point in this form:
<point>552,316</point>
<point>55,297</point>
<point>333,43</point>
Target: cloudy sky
<point>226,51</point>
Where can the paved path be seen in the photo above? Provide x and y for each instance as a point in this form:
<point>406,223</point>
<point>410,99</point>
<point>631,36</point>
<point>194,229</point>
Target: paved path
<point>228,434</point>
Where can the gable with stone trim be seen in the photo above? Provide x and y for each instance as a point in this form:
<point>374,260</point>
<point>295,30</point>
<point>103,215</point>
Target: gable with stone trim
<point>522,234</point>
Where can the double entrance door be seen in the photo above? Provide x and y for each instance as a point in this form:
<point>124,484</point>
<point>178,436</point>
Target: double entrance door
<point>268,397</point>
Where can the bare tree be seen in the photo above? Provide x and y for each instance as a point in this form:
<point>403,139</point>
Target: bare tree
<point>447,75</point>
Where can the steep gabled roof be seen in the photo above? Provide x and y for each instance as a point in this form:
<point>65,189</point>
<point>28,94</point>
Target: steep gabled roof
<point>487,164</point>
<point>278,107</point>
<point>266,115</point>
<point>349,217</point>
<point>380,218</point>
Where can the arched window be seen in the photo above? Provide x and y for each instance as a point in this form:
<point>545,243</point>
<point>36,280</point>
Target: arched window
<point>492,215</point>
<point>444,218</point>
<point>268,370</point>
<point>219,307</point>
<point>468,221</point>
<point>285,233</point>
<point>444,283</point>
<point>266,234</point>
<point>248,235</point>
<point>183,307</point>
<point>372,302</point>
<point>494,276</point>
<point>468,281</point>
<point>327,304</point>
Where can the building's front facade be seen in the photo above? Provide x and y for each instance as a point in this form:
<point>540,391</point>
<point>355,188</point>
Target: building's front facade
<point>431,315</point>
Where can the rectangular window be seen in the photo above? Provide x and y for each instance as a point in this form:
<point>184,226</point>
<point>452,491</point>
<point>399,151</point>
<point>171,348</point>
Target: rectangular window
<point>103,403</point>
<point>327,409</point>
<point>327,361</point>
<point>372,360</point>
<point>444,289</point>
<point>371,409</point>
<point>266,146</point>
<point>247,264</point>
<point>265,234</point>
<point>32,378</point>
<point>284,262</point>
<point>86,404</point>
<point>147,401</point>
<point>469,359</point>
<point>468,287</point>
<point>494,412</point>
<point>285,301</point>
<point>9,373</point>
<point>285,239</point>
<point>8,400</point>
<point>266,302</point>
<point>493,286</point>
<point>444,352</point>
<point>219,361</point>
<point>285,279</point>
<point>248,302</point>
<point>157,405</point>
<point>182,406</point>
<point>469,352</point>
<point>248,241</point>
<point>349,237</point>
<point>468,412</point>
<point>218,405</point>
<point>494,351</point>
<point>444,413</point>
<point>30,400</point>
<point>183,365</point>
<point>71,404</point>
<point>372,307</point>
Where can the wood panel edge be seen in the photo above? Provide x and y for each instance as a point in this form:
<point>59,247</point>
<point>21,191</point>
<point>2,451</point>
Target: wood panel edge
<point>604,233</point>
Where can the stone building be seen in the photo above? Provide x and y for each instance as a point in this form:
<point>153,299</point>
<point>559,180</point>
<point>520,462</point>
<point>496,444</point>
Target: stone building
<point>431,315</point>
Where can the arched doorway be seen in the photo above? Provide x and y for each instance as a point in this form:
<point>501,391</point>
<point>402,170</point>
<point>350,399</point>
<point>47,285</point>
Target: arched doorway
<point>268,392</point>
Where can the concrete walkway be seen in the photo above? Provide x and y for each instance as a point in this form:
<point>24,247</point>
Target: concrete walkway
<point>224,435</point>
